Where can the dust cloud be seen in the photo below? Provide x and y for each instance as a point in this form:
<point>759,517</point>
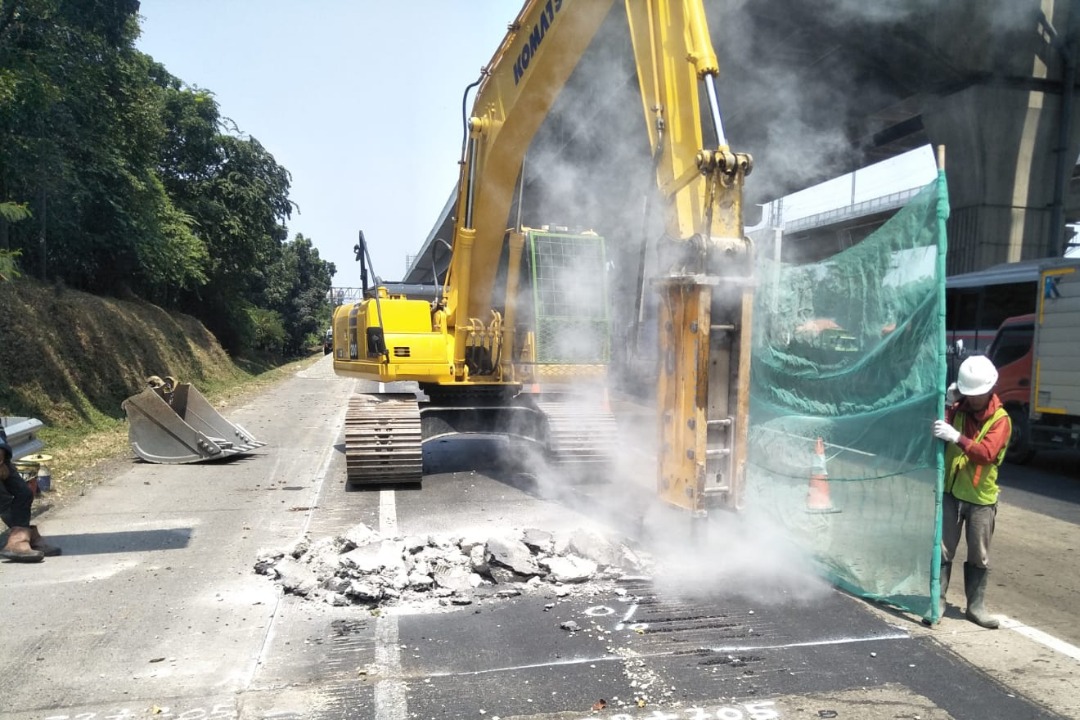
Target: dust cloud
<point>746,555</point>
<point>790,105</point>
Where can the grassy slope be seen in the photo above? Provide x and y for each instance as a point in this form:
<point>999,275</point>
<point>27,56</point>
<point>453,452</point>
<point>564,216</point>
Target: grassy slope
<point>70,359</point>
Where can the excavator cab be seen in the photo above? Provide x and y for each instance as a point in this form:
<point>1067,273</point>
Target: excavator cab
<point>171,423</point>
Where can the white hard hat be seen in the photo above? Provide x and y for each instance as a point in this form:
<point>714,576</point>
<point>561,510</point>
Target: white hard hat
<point>977,376</point>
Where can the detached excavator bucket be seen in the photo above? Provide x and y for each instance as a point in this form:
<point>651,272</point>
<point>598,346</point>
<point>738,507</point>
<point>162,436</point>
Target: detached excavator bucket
<point>172,423</point>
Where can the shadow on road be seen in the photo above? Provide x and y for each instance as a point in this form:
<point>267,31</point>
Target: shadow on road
<point>125,541</point>
<point>1051,475</point>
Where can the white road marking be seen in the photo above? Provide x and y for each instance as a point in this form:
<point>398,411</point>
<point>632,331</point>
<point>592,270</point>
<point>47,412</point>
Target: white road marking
<point>388,513</point>
<point>812,643</point>
<point>391,701</point>
<point>1041,637</point>
<point>638,656</point>
<point>626,618</point>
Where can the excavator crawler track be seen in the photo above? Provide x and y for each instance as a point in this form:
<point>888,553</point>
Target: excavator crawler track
<point>383,439</point>
<point>580,437</point>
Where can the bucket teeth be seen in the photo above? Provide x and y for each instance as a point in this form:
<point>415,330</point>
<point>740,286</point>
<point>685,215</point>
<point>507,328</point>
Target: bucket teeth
<point>174,424</point>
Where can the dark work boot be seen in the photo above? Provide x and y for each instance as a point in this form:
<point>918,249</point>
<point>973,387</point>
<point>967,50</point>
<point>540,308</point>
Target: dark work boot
<point>18,547</point>
<point>946,573</point>
<point>975,588</point>
<point>38,543</point>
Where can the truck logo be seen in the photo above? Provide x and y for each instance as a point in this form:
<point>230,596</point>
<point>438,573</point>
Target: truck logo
<point>536,36</point>
<point>1050,288</point>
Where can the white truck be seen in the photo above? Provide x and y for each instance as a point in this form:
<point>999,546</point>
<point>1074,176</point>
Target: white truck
<point>1038,361</point>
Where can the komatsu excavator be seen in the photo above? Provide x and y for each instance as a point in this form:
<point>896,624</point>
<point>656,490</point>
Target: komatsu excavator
<point>507,343</point>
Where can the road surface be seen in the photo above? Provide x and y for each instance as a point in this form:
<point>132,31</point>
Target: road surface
<point>154,609</point>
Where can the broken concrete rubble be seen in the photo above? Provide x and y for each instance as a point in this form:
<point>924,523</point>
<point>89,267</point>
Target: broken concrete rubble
<point>363,567</point>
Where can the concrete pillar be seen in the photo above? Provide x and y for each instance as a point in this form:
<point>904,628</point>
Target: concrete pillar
<point>1003,138</point>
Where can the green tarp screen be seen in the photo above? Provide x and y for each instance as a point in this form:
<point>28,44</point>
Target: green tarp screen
<point>847,376</point>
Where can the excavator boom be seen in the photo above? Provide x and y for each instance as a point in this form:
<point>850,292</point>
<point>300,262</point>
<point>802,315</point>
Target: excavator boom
<point>477,346</point>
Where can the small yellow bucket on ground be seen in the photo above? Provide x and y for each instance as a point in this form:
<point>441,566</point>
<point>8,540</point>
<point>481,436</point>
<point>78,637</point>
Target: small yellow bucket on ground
<point>35,470</point>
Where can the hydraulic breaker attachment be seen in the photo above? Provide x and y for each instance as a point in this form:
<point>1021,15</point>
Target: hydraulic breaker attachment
<point>172,423</point>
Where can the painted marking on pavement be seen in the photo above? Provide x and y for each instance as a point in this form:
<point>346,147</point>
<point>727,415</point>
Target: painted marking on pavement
<point>812,643</point>
<point>391,700</point>
<point>388,526</point>
<point>1045,639</point>
<point>725,649</point>
<point>636,627</point>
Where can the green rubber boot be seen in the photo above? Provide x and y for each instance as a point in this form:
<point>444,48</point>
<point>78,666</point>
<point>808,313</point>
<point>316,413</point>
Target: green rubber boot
<point>975,588</point>
<point>946,573</point>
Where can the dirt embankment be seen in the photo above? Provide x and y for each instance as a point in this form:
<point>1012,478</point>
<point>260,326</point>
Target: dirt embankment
<point>70,359</point>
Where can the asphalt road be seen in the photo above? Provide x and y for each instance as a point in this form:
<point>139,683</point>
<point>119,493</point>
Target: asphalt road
<point>155,610</point>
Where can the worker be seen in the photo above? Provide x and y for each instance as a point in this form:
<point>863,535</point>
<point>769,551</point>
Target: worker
<point>24,543</point>
<point>977,429</point>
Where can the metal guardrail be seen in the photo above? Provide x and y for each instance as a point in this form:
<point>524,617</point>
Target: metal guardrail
<point>893,201</point>
<point>21,435</point>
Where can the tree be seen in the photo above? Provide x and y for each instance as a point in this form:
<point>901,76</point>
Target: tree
<point>9,213</point>
<point>81,127</point>
<point>126,179</point>
<point>298,289</point>
<point>238,206</point>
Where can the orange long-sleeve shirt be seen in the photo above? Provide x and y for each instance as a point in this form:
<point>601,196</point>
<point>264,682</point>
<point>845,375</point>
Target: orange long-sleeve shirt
<point>986,451</point>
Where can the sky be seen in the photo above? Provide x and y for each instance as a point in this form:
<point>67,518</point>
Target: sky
<point>361,102</point>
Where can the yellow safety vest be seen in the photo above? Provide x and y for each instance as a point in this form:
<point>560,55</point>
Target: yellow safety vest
<point>966,480</point>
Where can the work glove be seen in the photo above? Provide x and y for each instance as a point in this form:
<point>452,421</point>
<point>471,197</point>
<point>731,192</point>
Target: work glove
<point>945,431</point>
<point>952,395</point>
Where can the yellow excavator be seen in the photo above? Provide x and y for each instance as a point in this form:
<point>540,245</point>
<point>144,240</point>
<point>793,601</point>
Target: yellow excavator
<point>517,338</point>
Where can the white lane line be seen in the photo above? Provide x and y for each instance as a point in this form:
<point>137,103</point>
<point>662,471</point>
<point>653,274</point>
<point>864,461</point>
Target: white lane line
<point>391,701</point>
<point>639,656</point>
<point>812,643</point>
<point>1041,637</point>
<point>388,513</point>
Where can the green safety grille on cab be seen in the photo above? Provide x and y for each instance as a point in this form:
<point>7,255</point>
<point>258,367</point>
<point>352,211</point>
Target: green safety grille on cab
<point>569,288</point>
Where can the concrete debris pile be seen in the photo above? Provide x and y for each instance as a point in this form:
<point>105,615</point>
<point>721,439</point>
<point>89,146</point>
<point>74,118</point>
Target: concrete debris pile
<point>364,567</point>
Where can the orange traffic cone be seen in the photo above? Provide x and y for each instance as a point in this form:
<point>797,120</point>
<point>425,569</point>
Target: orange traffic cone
<point>817,499</point>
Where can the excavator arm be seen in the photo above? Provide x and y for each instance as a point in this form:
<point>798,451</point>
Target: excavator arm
<point>706,290</point>
<point>706,278</point>
<point>704,283</point>
<point>540,50</point>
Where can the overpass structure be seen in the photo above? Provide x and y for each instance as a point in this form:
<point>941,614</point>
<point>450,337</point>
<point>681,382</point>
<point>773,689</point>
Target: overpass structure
<point>822,234</point>
<point>816,90</point>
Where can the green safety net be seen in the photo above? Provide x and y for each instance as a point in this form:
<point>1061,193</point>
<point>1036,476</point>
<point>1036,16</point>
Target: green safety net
<point>848,374</point>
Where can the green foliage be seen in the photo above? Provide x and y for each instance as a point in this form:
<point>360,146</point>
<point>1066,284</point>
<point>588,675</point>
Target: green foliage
<point>9,270</point>
<point>13,212</point>
<point>268,328</point>
<point>128,180</point>
<point>298,288</point>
